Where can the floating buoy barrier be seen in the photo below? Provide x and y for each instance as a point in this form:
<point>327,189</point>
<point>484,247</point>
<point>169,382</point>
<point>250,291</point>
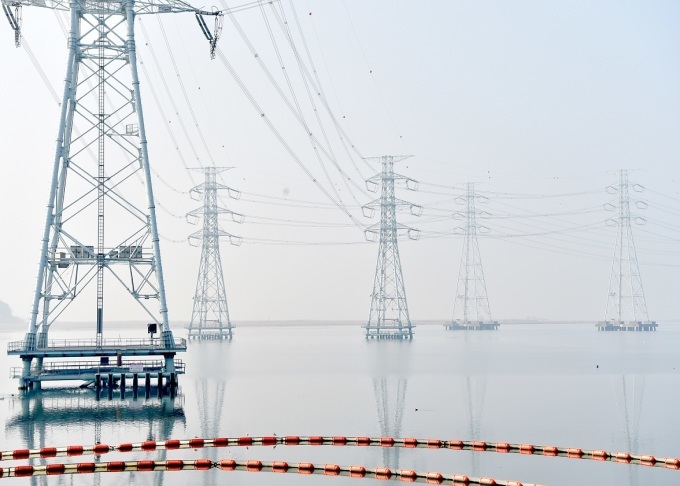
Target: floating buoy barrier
<point>384,473</point>
<point>361,441</point>
<point>303,467</point>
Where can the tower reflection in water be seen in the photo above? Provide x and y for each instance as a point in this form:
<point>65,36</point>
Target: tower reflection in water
<point>59,417</point>
<point>390,380</point>
<point>630,394</point>
<point>475,389</point>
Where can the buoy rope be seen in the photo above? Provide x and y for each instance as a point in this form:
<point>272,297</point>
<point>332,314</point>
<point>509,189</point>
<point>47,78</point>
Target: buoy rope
<point>317,440</point>
<point>252,466</point>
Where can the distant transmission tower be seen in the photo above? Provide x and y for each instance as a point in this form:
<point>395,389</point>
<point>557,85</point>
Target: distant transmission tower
<point>626,305</point>
<point>210,316</point>
<point>389,318</point>
<point>471,303</point>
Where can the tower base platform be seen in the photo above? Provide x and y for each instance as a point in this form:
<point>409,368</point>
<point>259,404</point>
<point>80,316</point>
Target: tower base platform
<point>472,326</point>
<point>210,334</point>
<point>626,326</point>
<point>103,371</point>
<point>389,332</point>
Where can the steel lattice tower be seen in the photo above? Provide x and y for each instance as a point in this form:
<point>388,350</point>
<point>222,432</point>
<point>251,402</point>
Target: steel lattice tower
<point>101,229</point>
<point>471,306</point>
<point>210,316</point>
<point>389,317</point>
<point>626,305</point>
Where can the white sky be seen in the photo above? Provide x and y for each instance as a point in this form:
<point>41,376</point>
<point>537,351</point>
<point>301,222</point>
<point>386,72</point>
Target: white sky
<point>525,97</point>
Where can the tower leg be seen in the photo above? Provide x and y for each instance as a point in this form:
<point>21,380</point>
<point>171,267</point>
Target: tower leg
<point>37,385</point>
<point>25,373</point>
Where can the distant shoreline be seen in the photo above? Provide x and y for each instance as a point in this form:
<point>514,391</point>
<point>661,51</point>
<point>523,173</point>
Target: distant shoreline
<point>21,326</point>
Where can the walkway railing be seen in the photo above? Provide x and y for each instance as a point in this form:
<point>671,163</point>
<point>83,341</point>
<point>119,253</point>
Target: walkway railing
<point>87,344</point>
<point>88,367</point>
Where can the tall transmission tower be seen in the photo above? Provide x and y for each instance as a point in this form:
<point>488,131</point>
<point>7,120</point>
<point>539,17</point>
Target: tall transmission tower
<point>102,232</point>
<point>389,317</point>
<point>472,302</point>
<point>626,304</point>
<point>210,316</point>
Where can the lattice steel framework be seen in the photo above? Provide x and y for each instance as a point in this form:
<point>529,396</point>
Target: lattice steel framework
<point>626,300</point>
<point>210,316</point>
<point>471,303</point>
<point>389,317</point>
<point>103,228</point>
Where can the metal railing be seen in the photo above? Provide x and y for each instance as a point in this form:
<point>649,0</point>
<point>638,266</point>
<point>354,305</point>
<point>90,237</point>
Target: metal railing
<point>82,367</point>
<point>121,343</point>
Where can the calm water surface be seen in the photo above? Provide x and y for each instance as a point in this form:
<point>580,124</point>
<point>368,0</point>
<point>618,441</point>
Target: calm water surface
<point>563,385</point>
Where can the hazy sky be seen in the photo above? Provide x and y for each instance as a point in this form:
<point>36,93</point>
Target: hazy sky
<point>528,98</point>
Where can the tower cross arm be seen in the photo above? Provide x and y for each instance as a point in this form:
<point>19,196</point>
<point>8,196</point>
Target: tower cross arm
<point>140,7</point>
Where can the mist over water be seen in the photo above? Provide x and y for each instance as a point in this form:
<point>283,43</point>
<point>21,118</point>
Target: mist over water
<point>562,385</point>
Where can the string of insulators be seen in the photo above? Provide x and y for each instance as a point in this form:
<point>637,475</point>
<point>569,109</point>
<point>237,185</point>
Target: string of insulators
<point>317,440</point>
<point>383,473</point>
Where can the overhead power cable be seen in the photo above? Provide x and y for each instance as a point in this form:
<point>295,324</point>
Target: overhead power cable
<point>281,139</point>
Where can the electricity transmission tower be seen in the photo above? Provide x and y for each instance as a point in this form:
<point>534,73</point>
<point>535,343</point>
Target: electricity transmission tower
<point>389,317</point>
<point>210,317</point>
<point>102,232</point>
<point>472,302</point>
<point>626,305</point>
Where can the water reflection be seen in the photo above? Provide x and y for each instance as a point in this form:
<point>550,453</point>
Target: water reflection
<point>390,396</point>
<point>62,413</point>
<point>475,389</point>
<point>630,394</point>
<point>391,362</point>
<point>210,402</point>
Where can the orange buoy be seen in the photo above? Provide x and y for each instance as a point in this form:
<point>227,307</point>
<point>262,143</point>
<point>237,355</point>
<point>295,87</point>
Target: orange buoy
<point>54,469</point>
<point>23,471</point>
<point>269,440</point>
<point>221,442</point>
<point>456,444</point>
<point>101,449</point>
<point>172,444</point>
<point>478,445</point>
<point>115,466</point>
<point>434,478</point>
<point>526,449</point>
<point>48,452</point>
<point>434,443</point>
<point>149,445</point>
<point>85,467</point>
<point>203,464</point>
<point>550,451</point>
<point>174,465</point>
<point>146,466</point>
